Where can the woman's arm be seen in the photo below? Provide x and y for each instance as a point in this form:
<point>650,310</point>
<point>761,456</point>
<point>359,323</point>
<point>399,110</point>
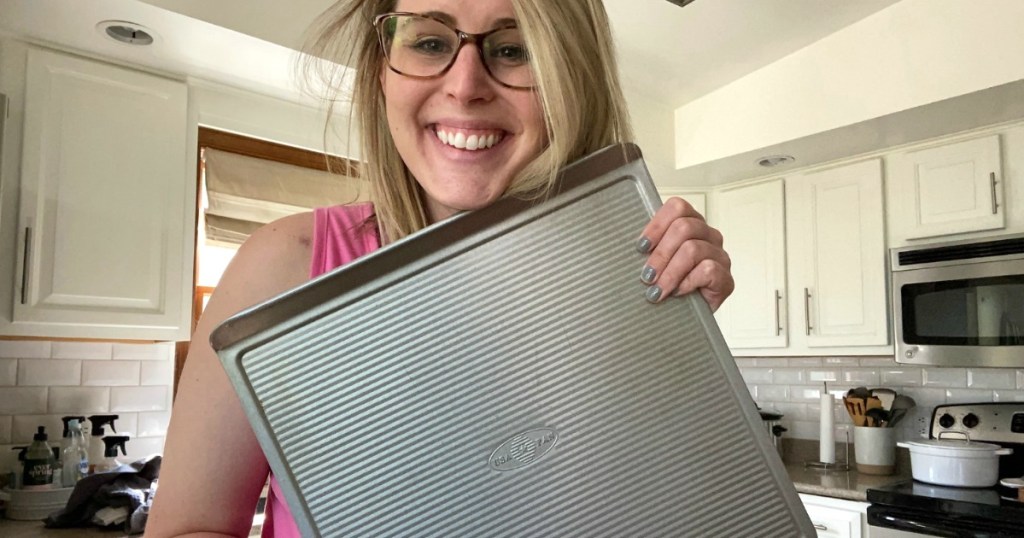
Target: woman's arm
<point>213,468</point>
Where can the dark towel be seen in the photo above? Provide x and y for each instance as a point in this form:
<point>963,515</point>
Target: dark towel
<point>129,485</point>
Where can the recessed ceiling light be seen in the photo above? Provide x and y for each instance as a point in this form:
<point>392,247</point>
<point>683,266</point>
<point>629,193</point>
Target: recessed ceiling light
<point>771,161</point>
<point>126,32</point>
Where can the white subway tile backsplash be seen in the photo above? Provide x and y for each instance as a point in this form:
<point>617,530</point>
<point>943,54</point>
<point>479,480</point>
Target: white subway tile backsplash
<point>792,411</point>
<point>157,373</point>
<point>24,349</point>
<point>138,399</point>
<point>752,389</point>
<point>925,397</point>
<point>804,362</point>
<point>771,362</point>
<point>48,373</point>
<point>945,377</point>
<point>82,350</point>
<point>789,376</point>
<point>954,396</point>
<point>868,377</point>
<point>772,393</point>
<point>1009,395</point>
<point>1020,379</point>
<point>154,423</point>
<point>22,400</point>
<point>805,394</point>
<point>901,377</point>
<point>25,427</point>
<point>801,429</point>
<point>79,400</point>
<point>5,430</point>
<point>753,376</point>
<point>822,375</point>
<point>127,423</point>
<point>840,361</point>
<point>877,362</point>
<point>161,351</point>
<point>110,373</point>
<point>142,447</point>
<point>991,378</point>
<point>8,372</point>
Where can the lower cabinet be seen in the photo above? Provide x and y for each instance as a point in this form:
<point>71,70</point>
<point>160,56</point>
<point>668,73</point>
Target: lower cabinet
<point>836,518</point>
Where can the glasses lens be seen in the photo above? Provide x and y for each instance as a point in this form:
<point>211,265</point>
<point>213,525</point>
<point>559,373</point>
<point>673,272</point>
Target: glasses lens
<point>508,59</point>
<point>417,46</point>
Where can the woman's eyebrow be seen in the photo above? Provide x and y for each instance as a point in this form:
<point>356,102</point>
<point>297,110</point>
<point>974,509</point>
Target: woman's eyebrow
<point>448,19</point>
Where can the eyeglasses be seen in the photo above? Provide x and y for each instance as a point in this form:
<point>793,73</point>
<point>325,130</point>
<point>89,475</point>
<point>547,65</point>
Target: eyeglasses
<point>421,46</point>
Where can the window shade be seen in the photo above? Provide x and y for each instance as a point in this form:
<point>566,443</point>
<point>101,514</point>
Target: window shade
<point>243,193</point>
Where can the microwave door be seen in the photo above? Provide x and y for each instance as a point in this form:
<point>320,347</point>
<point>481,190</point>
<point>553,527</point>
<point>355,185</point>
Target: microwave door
<point>971,314</point>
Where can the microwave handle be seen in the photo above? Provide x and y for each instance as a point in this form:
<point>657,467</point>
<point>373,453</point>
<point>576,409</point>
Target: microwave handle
<point>807,312</point>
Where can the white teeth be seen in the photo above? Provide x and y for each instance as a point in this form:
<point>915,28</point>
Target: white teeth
<point>469,143</point>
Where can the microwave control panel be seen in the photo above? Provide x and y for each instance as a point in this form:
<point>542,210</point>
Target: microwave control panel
<point>988,421</point>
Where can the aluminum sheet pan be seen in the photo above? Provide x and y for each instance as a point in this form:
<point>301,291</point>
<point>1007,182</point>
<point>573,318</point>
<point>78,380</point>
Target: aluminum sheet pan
<point>501,374</point>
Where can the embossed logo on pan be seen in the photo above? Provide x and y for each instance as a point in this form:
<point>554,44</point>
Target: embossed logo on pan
<point>524,449</point>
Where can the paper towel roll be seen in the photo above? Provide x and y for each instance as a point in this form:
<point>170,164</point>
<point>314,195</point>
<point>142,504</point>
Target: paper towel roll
<point>827,446</point>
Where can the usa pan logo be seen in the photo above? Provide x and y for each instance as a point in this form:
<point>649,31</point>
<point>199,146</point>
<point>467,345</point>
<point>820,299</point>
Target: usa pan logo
<point>522,450</point>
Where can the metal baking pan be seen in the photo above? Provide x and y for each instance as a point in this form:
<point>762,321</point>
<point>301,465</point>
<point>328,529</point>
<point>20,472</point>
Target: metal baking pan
<point>501,374</point>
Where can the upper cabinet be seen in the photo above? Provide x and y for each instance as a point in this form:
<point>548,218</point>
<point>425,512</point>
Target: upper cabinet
<point>752,221</point>
<point>808,258</point>
<point>950,189</point>
<point>837,255</point>
<point>106,210</point>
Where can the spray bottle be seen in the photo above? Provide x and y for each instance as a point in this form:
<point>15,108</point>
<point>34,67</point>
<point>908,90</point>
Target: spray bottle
<point>75,457</point>
<point>65,439</point>
<point>110,461</point>
<point>38,472</point>
<point>14,478</point>
<point>96,447</point>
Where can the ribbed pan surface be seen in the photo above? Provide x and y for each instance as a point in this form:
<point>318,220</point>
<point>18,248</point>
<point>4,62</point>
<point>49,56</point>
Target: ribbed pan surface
<point>387,411</point>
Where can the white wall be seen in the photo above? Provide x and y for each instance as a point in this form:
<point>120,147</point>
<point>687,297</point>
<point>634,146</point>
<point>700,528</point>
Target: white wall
<point>912,53</point>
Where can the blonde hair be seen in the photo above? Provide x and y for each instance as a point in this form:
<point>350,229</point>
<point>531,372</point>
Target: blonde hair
<point>577,84</point>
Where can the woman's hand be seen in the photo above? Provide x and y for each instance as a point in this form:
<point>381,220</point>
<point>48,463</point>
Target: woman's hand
<point>686,254</point>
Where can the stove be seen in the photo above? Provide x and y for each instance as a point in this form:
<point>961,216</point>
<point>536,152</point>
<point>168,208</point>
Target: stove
<point>934,510</point>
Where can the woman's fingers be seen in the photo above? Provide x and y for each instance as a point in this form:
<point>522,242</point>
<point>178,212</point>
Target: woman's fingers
<point>686,255</point>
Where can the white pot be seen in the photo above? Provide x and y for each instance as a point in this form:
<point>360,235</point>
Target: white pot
<point>955,463</point>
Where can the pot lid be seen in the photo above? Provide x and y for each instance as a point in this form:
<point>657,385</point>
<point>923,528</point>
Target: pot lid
<point>953,445</point>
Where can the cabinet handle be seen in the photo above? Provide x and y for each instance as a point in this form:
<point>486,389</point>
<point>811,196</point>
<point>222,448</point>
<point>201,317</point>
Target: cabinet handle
<point>778,325</point>
<point>807,311</point>
<point>24,265</point>
<point>820,527</point>
<point>995,203</point>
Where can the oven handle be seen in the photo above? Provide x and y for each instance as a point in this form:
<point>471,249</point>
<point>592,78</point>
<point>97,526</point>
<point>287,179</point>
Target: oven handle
<point>907,522</point>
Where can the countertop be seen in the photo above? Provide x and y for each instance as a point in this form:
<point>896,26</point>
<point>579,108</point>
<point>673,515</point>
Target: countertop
<point>849,485</point>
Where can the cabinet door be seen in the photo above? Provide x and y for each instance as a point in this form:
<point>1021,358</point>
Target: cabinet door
<point>107,203</point>
<point>837,255</point>
<point>955,188</point>
<point>752,221</point>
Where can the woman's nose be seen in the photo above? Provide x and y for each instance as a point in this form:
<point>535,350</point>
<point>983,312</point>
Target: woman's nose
<point>467,79</point>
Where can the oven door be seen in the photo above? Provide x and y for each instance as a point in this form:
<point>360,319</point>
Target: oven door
<point>900,522</point>
<point>968,314</point>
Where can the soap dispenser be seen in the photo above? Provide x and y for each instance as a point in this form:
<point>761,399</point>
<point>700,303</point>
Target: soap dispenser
<point>38,472</point>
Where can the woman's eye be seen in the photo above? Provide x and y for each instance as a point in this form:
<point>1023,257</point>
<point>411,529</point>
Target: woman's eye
<point>510,53</point>
<point>431,45</point>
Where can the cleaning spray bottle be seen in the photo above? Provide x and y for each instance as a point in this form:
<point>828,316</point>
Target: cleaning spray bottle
<point>38,472</point>
<point>75,457</point>
<point>14,478</point>
<point>96,446</point>
<point>65,439</point>
<point>110,461</point>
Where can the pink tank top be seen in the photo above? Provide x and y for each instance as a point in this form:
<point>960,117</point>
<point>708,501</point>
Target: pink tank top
<point>340,234</point>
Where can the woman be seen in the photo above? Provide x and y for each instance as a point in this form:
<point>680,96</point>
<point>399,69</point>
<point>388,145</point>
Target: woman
<point>450,120</point>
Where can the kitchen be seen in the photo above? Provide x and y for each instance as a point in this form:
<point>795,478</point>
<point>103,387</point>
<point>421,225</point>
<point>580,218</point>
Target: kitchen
<point>825,113</point>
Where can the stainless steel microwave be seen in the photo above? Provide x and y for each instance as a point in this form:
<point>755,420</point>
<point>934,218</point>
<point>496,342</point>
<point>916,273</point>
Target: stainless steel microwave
<point>960,303</point>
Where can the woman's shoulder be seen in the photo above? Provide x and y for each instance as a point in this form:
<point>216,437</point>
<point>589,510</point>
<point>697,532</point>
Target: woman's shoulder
<point>276,256</point>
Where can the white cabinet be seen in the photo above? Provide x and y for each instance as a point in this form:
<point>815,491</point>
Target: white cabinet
<point>837,255</point>
<point>836,518</point>
<point>949,189</point>
<point>751,220</point>
<point>809,263</point>
<point>106,209</point>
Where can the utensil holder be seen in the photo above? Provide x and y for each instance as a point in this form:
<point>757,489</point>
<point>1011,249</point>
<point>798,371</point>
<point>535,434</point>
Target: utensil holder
<point>874,450</point>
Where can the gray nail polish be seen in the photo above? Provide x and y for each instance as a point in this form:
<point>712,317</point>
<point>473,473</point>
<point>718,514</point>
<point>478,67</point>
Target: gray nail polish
<point>648,274</point>
<point>644,245</point>
<point>653,293</point>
